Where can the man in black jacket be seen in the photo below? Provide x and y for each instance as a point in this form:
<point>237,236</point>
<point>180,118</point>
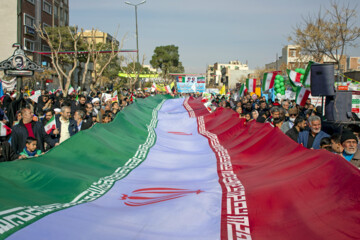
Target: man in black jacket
<point>299,125</point>
<point>81,122</point>
<point>29,128</point>
<point>7,153</point>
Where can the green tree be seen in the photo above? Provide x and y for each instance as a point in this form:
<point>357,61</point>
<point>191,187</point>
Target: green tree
<point>167,58</point>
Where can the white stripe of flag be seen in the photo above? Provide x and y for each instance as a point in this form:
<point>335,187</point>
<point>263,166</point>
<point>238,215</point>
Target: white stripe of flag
<point>50,125</point>
<point>268,81</point>
<point>4,130</point>
<point>251,84</point>
<point>295,77</point>
<point>302,94</point>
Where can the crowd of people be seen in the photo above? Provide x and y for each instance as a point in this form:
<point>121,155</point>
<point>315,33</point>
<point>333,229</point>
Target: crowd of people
<point>78,112</point>
<point>302,124</point>
<point>27,118</point>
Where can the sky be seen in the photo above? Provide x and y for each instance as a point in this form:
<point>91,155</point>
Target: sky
<point>206,31</point>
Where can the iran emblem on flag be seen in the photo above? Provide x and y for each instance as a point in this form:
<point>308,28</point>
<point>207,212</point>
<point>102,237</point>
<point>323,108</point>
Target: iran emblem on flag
<point>50,125</point>
<point>251,84</point>
<point>268,80</point>
<point>5,130</point>
<point>302,94</point>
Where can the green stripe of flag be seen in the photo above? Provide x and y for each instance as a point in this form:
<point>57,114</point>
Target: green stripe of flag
<point>307,76</point>
<point>79,170</point>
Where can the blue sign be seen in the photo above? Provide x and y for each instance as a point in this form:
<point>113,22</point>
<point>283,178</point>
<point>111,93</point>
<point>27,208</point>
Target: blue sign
<point>190,87</point>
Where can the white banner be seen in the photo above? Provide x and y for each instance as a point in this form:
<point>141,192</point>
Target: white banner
<point>9,85</point>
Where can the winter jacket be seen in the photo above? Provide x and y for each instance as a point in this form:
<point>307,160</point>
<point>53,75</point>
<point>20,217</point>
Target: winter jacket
<point>72,127</point>
<point>20,134</point>
<point>304,136</point>
<point>7,153</point>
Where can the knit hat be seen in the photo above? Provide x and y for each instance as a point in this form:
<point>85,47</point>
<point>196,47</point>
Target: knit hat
<point>348,135</point>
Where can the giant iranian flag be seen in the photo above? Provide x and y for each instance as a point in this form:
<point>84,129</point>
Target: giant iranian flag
<point>169,169</point>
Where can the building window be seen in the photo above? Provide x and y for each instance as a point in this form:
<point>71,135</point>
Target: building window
<point>358,60</point>
<point>30,46</point>
<point>236,68</point>
<point>66,18</point>
<point>46,26</point>
<point>61,14</point>
<point>31,1</point>
<point>47,7</point>
<point>56,11</point>
<point>292,52</point>
<point>46,48</point>
<point>29,21</point>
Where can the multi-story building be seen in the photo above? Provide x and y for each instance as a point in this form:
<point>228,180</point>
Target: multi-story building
<point>291,58</point>
<point>214,72</point>
<point>98,36</point>
<point>151,69</point>
<point>353,63</point>
<point>231,77</point>
<point>18,18</point>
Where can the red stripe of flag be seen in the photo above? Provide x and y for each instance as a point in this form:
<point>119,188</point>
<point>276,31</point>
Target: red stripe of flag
<point>291,192</point>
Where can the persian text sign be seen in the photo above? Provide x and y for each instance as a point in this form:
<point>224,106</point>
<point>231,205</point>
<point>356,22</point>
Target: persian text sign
<point>356,103</point>
<point>189,87</point>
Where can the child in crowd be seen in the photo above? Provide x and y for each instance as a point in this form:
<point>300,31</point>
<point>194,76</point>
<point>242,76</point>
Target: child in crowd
<point>30,148</point>
<point>325,143</point>
<point>336,143</point>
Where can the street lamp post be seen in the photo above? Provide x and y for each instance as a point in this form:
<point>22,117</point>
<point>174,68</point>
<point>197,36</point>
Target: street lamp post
<point>137,40</point>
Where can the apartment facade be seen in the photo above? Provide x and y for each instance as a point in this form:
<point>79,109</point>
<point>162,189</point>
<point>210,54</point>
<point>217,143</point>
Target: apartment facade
<point>353,63</point>
<point>214,73</point>
<point>98,36</point>
<point>291,58</point>
<point>18,20</point>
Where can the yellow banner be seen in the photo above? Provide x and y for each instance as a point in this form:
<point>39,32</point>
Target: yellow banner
<point>161,88</point>
<point>140,75</point>
<point>258,91</point>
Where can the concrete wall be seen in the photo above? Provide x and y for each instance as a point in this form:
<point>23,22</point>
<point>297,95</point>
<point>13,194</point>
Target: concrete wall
<point>236,75</point>
<point>8,28</point>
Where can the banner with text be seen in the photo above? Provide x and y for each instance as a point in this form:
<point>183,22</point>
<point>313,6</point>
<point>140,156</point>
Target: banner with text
<point>191,84</point>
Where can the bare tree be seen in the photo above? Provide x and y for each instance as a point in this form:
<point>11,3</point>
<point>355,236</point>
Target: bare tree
<point>56,62</point>
<point>344,29</point>
<point>90,46</point>
<point>327,33</point>
<point>97,54</point>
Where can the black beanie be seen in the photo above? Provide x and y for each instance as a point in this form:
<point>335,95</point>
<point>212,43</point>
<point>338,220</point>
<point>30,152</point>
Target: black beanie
<point>348,135</point>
